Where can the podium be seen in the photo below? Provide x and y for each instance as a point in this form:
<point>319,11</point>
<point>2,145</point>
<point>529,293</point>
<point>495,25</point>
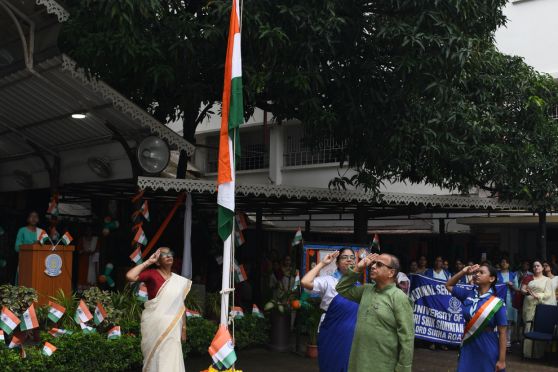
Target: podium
<point>46,270</point>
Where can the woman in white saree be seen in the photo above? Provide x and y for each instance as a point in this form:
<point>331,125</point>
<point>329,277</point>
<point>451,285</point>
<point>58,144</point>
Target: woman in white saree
<point>163,323</point>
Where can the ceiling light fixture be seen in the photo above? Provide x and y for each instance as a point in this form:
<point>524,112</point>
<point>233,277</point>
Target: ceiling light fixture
<point>79,116</point>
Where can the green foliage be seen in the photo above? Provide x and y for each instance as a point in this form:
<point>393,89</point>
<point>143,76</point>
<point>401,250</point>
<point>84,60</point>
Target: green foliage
<point>94,295</point>
<point>70,304</point>
<point>194,301</point>
<point>76,353</point>
<point>200,332</point>
<point>310,317</point>
<point>250,331</point>
<point>127,302</point>
<point>212,305</point>
<point>17,299</point>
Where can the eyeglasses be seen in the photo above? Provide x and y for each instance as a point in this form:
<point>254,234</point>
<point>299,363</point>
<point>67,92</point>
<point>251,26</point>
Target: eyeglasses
<point>347,257</point>
<point>380,265</point>
<point>168,254</point>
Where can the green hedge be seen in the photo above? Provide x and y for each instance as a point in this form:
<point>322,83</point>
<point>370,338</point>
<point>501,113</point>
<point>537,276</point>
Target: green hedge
<point>81,352</point>
<point>77,353</point>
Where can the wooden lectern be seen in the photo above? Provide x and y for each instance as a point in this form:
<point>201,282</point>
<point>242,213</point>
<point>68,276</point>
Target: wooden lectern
<point>33,269</point>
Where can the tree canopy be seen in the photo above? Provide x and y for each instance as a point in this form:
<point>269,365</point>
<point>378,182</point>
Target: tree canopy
<point>416,89</point>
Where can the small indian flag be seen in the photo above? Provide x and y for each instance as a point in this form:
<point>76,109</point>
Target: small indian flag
<point>55,311</point>
<point>140,237</point>
<point>376,241</point>
<point>66,238</point>
<point>239,273</point>
<point>100,314</point>
<point>29,319</point>
<point>82,313</point>
<point>2,338</point>
<point>8,320</point>
<point>222,349</point>
<point>237,312</point>
<point>192,314</point>
<point>241,221</point>
<point>136,256</point>
<point>297,281</point>
<point>48,349</point>
<point>15,342</point>
<point>57,332</point>
<point>43,237</point>
<point>86,329</point>
<point>114,332</point>
<point>297,238</point>
<point>142,292</point>
<point>256,311</point>
<point>144,210</point>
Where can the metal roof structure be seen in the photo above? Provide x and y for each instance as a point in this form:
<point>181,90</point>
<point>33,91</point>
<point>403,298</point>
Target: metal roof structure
<point>40,90</point>
<point>283,200</point>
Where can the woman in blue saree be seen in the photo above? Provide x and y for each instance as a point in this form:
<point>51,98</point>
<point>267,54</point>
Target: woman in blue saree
<point>337,325</point>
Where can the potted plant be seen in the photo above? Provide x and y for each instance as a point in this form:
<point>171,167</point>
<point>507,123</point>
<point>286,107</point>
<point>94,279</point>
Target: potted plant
<point>280,309</point>
<point>312,316</point>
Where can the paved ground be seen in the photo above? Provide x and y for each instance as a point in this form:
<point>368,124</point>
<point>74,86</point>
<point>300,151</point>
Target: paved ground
<point>263,360</point>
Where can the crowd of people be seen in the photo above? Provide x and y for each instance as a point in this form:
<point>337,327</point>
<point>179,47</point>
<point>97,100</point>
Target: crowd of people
<point>372,324</point>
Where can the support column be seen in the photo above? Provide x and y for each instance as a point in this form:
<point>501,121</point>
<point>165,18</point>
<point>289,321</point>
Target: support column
<point>256,269</point>
<point>360,221</point>
<point>276,150</point>
<point>542,234</point>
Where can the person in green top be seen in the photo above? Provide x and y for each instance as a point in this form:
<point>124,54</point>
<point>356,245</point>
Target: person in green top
<point>385,328</point>
<point>26,235</point>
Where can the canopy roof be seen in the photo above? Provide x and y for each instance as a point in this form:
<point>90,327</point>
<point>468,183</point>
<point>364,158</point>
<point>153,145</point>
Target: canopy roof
<point>278,200</point>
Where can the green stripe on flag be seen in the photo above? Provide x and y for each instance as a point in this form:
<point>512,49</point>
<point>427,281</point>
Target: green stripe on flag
<point>225,219</point>
<point>236,113</point>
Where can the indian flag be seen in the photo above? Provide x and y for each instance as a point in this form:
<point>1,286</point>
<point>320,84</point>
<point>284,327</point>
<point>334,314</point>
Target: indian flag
<point>239,273</point>
<point>144,210</point>
<point>16,341</point>
<point>57,332</point>
<point>29,319</point>
<point>136,256</point>
<point>297,281</point>
<point>140,237</point>
<point>192,314</point>
<point>86,329</point>
<point>8,320</point>
<point>237,312</point>
<point>66,238</point>
<point>256,311</point>
<point>376,241</point>
<point>297,238</point>
<point>2,338</point>
<point>114,332</point>
<point>142,292</point>
<point>55,311</point>
<point>222,349</point>
<point>100,314</point>
<point>82,313</point>
<point>231,117</point>
<point>48,349</point>
<point>42,236</point>
<point>53,206</point>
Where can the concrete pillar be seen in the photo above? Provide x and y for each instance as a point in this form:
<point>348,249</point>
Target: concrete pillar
<point>276,149</point>
<point>360,221</point>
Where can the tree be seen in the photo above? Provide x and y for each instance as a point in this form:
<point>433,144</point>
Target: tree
<point>414,88</point>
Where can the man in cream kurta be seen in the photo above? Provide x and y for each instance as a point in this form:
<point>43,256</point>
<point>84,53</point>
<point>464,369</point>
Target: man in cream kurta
<point>384,333</point>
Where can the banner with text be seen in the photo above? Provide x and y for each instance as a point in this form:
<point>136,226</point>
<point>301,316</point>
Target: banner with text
<point>438,315</point>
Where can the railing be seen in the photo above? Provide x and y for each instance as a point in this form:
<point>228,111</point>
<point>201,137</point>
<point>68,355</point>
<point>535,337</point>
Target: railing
<point>297,153</point>
<point>252,156</point>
